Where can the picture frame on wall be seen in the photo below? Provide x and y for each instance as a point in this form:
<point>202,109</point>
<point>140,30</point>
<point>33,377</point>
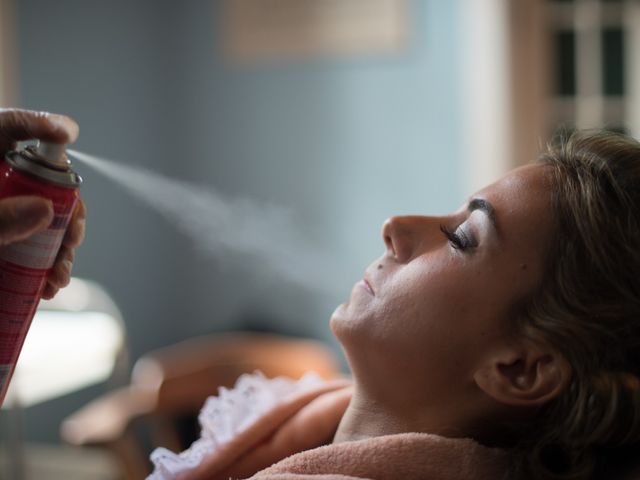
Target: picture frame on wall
<point>276,30</point>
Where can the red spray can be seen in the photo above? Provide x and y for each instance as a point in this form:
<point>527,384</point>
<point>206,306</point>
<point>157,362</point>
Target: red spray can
<point>45,171</point>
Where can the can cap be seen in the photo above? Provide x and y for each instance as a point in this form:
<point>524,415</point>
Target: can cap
<point>53,152</point>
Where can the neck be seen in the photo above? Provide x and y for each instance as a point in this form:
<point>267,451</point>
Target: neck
<point>367,418</point>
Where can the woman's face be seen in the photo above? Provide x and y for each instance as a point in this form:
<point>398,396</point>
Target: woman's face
<point>442,295</point>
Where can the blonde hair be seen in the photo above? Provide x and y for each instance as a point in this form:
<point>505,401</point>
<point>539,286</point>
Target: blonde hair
<point>588,308</point>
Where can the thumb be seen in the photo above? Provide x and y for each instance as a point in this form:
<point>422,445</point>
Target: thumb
<point>21,217</point>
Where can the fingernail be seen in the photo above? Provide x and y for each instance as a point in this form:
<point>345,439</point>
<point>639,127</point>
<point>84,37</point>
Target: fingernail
<point>67,266</point>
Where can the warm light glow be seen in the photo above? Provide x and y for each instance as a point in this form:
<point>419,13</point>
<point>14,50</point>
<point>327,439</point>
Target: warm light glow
<point>70,345</point>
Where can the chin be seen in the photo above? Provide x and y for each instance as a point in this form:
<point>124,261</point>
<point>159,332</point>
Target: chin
<point>350,326</point>
<point>336,319</point>
<point>340,322</point>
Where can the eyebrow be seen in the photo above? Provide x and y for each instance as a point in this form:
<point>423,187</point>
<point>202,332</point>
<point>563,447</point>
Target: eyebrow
<point>485,207</point>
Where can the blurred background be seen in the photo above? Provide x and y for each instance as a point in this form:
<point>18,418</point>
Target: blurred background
<point>345,112</point>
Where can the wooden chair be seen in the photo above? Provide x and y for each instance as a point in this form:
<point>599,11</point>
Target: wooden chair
<point>168,388</point>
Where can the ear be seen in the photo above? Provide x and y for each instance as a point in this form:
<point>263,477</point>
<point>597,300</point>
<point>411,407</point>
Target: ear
<point>527,374</point>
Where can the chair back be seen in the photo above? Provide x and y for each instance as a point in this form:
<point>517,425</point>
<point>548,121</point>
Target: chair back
<point>169,386</point>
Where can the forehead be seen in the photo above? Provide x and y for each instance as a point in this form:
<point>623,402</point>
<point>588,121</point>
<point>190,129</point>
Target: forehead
<point>524,188</point>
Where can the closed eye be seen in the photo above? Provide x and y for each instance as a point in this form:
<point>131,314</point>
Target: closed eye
<point>459,239</point>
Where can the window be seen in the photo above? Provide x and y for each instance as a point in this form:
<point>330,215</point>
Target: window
<point>591,64</point>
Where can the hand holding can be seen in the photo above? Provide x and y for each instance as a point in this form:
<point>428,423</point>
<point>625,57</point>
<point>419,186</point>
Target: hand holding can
<point>23,216</point>
<point>41,223</point>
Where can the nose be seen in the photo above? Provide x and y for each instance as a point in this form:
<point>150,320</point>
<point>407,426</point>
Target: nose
<point>405,236</point>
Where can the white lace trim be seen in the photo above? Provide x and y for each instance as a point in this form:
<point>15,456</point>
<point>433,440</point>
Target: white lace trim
<point>226,415</point>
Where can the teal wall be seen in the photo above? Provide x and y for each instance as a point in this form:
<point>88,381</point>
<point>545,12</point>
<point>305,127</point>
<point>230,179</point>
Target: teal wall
<point>346,142</point>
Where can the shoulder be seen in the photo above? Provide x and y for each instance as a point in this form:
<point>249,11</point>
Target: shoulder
<point>256,411</point>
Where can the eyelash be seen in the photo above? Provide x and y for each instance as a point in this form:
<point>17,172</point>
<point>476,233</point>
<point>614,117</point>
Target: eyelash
<point>459,242</point>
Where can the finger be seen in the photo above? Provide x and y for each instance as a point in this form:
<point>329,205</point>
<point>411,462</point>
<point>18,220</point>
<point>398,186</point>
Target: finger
<point>60,273</point>
<point>17,125</point>
<point>21,217</point>
<point>49,291</point>
<point>76,229</point>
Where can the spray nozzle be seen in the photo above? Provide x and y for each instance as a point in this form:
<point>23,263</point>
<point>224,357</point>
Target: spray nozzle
<point>53,153</point>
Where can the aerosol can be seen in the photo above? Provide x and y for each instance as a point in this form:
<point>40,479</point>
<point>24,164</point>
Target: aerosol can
<point>43,170</point>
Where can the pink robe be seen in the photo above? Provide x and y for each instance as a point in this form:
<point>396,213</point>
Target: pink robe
<point>288,437</point>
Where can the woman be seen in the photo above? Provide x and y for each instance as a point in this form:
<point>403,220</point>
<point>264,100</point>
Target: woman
<point>500,341</point>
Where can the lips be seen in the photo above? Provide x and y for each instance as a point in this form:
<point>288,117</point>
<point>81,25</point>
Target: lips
<point>368,286</point>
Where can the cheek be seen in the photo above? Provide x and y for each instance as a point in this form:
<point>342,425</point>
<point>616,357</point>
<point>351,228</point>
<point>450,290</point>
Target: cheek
<point>424,302</point>
<point>423,310</point>
<point>432,290</point>
<point>449,307</point>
